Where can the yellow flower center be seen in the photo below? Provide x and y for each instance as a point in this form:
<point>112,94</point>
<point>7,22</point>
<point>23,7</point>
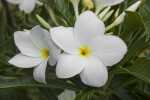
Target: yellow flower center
<point>84,51</point>
<point>45,53</point>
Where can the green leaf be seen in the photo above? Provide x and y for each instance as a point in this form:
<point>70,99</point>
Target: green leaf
<point>8,45</point>
<point>123,93</point>
<point>12,94</point>
<point>140,69</point>
<point>132,51</point>
<point>142,94</point>
<point>123,6</point>
<point>3,64</point>
<point>145,87</point>
<point>13,82</point>
<point>62,10</point>
<point>133,21</point>
<point>49,93</point>
<point>145,12</point>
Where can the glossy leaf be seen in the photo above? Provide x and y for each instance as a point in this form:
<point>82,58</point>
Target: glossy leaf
<point>133,21</point>
<point>12,94</point>
<point>62,10</point>
<point>140,69</point>
<point>13,82</point>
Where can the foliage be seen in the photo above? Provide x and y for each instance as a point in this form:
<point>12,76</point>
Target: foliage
<point>128,80</point>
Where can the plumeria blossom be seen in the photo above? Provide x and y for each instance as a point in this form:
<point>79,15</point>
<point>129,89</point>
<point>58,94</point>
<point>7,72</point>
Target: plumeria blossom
<point>26,5</point>
<point>37,48</point>
<point>87,50</point>
<point>101,4</point>
<point>67,95</point>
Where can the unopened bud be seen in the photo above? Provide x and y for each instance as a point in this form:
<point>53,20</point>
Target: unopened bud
<point>75,4</point>
<point>43,22</point>
<point>103,13</point>
<point>88,4</point>
<point>120,19</point>
<point>107,15</point>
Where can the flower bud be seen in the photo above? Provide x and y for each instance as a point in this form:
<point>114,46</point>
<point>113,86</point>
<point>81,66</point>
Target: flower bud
<point>120,19</point>
<point>107,15</point>
<point>43,22</point>
<point>75,4</point>
<point>103,13</point>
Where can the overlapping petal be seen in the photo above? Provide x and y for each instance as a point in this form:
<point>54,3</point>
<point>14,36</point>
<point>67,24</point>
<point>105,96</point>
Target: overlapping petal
<point>63,37</point>
<point>38,36</point>
<point>27,5</point>
<point>23,61</point>
<point>39,72</point>
<point>88,26</point>
<point>95,73</point>
<point>69,65</point>
<point>54,52</point>
<point>109,48</point>
<point>25,45</point>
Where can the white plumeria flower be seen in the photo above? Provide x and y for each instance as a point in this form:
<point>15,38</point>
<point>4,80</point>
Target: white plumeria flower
<point>101,4</point>
<point>26,5</point>
<point>36,47</point>
<point>67,95</point>
<point>87,51</point>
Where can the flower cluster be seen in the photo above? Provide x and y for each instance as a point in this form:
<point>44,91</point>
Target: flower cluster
<point>84,49</point>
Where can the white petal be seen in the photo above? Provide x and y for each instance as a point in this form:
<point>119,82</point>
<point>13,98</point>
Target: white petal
<point>38,2</point>
<point>63,37</point>
<point>27,5</point>
<point>111,49</point>
<point>95,73</point>
<point>67,95</point>
<point>88,26</point>
<point>39,72</point>
<point>134,6</point>
<point>15,1</point>
<point>23,61</point>
<point>38,36</point>
<point>69,65</point>
<point>25,45</point>
<point>54,52</point>
<point>100,4</point>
